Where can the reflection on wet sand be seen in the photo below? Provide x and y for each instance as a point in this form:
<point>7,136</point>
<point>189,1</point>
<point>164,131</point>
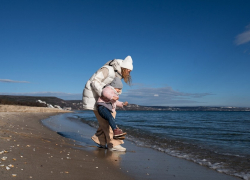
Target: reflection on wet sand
<point>114,157</point>
<point>80,133</point>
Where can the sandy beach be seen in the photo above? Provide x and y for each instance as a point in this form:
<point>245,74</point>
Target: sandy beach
<point>35,152</point>
<point>29,150</point>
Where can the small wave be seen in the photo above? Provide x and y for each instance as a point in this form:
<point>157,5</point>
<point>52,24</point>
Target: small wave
<point>194,156</point>
<point>176,143</point>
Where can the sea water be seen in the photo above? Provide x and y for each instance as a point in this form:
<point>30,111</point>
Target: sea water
<point>218,140</point>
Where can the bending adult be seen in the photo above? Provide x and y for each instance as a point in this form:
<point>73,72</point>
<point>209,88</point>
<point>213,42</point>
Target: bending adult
<point>92,91</point>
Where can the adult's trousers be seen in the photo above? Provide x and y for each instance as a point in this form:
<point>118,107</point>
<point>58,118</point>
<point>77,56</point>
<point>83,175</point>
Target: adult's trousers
<point>104,133</point>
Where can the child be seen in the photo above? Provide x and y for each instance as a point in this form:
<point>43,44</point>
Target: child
<point>106,104</point>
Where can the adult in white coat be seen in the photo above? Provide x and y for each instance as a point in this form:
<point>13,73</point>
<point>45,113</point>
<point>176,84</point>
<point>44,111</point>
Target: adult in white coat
<point>92,91</point>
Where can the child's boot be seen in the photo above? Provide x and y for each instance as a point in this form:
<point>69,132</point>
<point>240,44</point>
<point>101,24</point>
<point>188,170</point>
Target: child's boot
<point>118,132</point>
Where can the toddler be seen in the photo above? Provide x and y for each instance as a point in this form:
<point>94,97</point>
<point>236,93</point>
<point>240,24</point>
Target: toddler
<point>106,104</point>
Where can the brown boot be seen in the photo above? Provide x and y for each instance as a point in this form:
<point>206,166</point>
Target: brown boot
<point>120,137</point>
<point>118,132</point>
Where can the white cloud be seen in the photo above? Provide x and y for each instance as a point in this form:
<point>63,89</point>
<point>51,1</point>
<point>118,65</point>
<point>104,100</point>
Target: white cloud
<point>168,96</point>
<point>243,37</point>
<point>12,81</point>
<point>141,95</point>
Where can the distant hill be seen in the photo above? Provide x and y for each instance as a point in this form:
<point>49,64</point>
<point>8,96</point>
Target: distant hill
<point>77,104</point>
<point>32,101</point>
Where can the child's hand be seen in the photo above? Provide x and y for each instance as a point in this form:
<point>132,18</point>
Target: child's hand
<point>125,103</point>
<point>115,98</point>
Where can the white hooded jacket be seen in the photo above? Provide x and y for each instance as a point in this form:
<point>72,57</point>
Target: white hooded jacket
<point>95,84</point>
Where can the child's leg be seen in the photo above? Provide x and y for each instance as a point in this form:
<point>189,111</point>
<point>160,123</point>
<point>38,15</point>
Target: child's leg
<point>106,114</point>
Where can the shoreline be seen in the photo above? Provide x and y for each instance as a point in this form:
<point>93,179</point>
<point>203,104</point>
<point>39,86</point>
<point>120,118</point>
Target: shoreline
<point>16,108</point>
<point>33,151</point>
<point>37,152</point>
<point>138,162</point>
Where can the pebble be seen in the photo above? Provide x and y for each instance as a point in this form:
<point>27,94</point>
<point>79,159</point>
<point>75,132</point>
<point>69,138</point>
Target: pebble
<point>4,158</point>
<point>1,152</point>
<point>11,165</point>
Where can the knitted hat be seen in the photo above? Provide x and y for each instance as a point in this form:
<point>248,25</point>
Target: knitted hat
<point>127,63</point>
<point>116,83</point>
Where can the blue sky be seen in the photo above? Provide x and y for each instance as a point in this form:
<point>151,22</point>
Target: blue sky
<point>185,53</point>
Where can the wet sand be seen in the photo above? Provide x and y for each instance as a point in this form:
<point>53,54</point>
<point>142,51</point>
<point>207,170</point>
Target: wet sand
<point>137,162</point>
<point>34,151</point>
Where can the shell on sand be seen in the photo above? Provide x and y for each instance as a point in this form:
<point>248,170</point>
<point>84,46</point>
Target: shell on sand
<point>4,158</point>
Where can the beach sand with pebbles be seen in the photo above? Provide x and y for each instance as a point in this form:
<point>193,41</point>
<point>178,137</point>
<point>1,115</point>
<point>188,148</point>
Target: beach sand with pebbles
<point>29,150</point>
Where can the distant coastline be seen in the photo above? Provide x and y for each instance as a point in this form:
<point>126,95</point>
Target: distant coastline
<point>184,108</point>
<point>77,104</point>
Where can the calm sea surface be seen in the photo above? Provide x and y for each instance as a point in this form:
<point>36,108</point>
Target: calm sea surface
<point>219,140</point>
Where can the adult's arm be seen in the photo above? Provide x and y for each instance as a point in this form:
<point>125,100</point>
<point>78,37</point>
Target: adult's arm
<point>96,83</point>
<point>109,95</point>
